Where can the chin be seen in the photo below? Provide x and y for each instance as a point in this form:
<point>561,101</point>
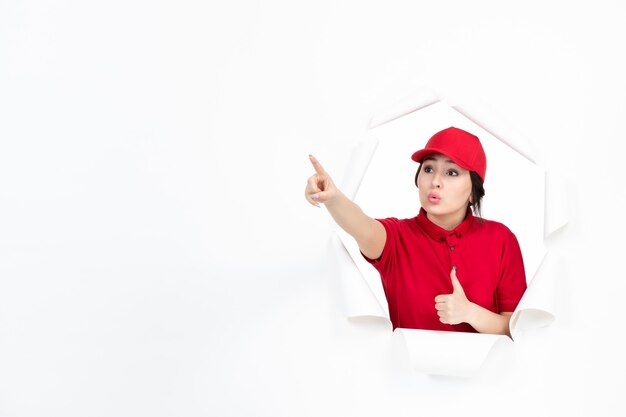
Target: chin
<point>433,209</point>
<point>439,210</point>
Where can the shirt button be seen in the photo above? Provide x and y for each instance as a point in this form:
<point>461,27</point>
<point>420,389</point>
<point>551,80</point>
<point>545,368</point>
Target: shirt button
<point>451,247</point>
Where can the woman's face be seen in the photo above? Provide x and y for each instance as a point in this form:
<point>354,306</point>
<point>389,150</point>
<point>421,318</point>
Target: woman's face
<point>444,189</point>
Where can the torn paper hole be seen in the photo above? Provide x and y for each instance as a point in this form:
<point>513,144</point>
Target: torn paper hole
<point>516,196</point>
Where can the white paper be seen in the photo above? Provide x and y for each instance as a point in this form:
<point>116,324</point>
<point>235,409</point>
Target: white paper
<point>413,102</point>
<point>359,161</point>
<point>556,203</point>
<point>536,308</point>
<point>449,353</point>
<point>360,299</point>
<point>369,277</point>
<point>488,121</point>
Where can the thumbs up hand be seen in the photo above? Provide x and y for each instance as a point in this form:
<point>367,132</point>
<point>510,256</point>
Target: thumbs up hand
<point>453,308</point>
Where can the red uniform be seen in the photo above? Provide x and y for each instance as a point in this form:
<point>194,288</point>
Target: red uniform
<point>417,258</point>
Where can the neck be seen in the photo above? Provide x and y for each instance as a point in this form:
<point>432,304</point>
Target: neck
<point>447,221</point>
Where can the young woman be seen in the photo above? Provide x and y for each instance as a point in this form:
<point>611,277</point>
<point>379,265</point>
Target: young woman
<point>444,269</point>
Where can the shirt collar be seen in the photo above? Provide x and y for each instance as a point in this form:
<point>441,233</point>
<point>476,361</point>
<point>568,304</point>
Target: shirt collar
<point>439,233</point>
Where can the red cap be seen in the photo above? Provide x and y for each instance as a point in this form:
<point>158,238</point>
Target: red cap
<point>463,148</point>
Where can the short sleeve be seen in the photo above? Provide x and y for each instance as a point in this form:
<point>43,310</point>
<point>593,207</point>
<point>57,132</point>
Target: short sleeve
<point>386,259</point>
<point>512,283</point>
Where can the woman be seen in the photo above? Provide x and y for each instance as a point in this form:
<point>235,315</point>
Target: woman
<point>444,269</point>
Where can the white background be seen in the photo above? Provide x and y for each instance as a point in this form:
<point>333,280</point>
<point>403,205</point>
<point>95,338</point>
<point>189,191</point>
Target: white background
<point>157,256</point>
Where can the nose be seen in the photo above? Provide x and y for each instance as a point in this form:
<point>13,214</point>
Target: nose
<point>437,181</point>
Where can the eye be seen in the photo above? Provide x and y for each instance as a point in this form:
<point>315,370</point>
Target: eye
<point>428,169</point>
<point>452,173</point>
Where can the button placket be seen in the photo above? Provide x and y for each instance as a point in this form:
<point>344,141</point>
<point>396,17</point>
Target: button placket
<point>452,241</point>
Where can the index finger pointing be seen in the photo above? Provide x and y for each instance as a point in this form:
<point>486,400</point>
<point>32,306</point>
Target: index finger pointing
<point>318,167</point>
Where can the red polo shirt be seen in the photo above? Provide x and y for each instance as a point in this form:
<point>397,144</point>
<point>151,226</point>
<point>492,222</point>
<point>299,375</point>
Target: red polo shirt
<point>418,256</point>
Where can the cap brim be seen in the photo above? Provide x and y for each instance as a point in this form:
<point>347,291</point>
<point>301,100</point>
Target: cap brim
<point>420,155</point>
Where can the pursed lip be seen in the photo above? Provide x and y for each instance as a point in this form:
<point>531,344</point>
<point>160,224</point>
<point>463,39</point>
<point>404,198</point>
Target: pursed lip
<point>434,198</point>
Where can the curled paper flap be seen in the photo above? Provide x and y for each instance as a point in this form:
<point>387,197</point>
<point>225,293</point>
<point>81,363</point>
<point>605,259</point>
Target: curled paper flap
<point>448,353</point>
<point>359,161</point>
<point>359,300</point>
<point>536,307</point>
<point>365,295</point>
<point>496,127</point>
<point>415,101</point>
<point>556,203</point>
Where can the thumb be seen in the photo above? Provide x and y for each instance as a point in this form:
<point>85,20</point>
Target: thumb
<point>320,196</point>
<point>456,285</point>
